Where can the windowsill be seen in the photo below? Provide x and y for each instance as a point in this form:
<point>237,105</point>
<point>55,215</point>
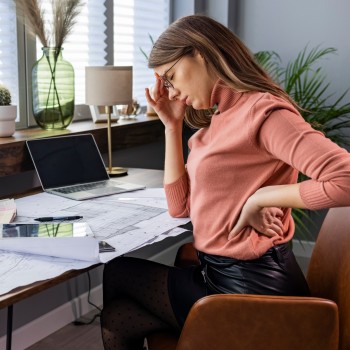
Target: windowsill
<point>14,157</point>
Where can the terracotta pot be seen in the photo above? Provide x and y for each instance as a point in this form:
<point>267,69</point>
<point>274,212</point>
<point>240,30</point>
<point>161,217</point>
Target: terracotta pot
<point>8,116</point>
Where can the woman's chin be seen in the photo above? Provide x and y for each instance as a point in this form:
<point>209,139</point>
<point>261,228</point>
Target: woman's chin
<point>198,106</point>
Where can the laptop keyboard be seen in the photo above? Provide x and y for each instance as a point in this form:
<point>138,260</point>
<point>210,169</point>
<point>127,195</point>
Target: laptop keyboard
<point>108,188</point>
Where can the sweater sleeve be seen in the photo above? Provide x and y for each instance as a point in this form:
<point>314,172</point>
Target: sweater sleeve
<point>177,195</point>
<point>288,137</point>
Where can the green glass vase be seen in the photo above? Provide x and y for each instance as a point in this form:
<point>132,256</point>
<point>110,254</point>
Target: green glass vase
<point>53,90</point>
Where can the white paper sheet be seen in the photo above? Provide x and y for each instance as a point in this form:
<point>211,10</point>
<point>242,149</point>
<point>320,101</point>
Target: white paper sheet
<point>79,248</point>
<point>17,270</point>
<point>127,221</point>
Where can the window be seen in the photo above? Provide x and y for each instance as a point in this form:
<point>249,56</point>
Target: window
<point>8,48</point>
<point>86,44</point>
<point>106,32</point>
<point>134,22</point>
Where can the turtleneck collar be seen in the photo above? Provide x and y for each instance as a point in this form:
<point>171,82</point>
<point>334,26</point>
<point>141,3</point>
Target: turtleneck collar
<point>223,96</point>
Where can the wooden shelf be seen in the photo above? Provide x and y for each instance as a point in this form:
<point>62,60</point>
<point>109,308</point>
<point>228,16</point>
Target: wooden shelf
<point>14,156</point>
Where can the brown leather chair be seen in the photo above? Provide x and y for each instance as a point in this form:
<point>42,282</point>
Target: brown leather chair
<point>258,322</point>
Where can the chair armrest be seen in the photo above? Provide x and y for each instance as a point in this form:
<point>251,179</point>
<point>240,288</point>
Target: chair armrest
<point>253,322</point>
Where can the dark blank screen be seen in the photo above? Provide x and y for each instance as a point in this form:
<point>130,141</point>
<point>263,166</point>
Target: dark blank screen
<point>67,160</point>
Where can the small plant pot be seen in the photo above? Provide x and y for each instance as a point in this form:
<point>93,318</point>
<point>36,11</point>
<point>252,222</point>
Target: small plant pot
<point>8,116</point>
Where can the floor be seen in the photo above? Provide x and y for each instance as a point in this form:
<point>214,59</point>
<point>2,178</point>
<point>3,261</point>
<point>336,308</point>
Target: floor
<point>72,337</point>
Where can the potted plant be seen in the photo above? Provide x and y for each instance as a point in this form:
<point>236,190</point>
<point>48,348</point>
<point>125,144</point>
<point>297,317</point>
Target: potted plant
<point>8,113</point>
<point>53,77</point>
<point>305,81</point>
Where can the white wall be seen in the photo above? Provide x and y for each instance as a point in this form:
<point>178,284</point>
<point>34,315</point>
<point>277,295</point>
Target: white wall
<point>288,26</point>
<point>285,27</point>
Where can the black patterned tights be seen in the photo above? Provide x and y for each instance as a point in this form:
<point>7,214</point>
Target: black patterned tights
<point>136,302</point>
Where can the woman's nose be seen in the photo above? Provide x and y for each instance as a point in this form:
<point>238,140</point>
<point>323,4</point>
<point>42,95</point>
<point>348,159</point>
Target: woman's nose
<point>173,93</point>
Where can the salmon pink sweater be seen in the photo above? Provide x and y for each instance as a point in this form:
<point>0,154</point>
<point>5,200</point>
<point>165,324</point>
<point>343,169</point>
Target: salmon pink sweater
<point>254,140</point>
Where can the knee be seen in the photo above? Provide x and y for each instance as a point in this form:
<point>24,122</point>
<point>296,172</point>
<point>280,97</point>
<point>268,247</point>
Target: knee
<point>116,267</point>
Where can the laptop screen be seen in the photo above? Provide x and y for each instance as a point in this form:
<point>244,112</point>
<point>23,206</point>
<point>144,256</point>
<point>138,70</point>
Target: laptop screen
<point>67,160</point>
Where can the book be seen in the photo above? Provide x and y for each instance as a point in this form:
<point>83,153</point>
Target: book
<point>8,210</point>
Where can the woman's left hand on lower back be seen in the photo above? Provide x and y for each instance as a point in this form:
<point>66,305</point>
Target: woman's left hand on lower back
<point>267,221</point>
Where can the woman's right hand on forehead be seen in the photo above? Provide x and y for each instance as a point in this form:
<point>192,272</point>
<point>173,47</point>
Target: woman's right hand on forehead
<point>170,112</point>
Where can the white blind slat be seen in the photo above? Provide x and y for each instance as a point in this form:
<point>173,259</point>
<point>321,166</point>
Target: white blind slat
<point>8,48</point>
<point>134,21</point>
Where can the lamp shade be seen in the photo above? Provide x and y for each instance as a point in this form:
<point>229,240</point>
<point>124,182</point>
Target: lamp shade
<point>108,85</point>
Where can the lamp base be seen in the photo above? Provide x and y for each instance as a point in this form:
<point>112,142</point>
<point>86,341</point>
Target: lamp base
<point>117,171</point>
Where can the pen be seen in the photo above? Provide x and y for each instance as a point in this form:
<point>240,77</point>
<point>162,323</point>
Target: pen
<point>58,218</point>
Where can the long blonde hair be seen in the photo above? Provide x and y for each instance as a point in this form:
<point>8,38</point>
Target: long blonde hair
<point>225,54</point>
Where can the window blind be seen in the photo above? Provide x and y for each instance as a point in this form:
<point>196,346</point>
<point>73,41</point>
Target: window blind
<point>86,44</point>
<point>8,48</point>
<point>134,21</point>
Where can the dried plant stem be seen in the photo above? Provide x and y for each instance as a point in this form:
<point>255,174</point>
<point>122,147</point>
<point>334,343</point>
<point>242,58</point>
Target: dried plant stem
<point>64,14</point>
<point>33,13</point>
<point>64,17</point>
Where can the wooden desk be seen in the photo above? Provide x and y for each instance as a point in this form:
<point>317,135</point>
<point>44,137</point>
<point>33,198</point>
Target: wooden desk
<point>151,178</point>
<point>14,156</point>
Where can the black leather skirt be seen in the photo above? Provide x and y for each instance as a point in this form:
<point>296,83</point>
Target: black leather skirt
<point>275,273</point>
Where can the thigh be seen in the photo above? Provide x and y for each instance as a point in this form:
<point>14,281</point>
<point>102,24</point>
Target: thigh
<point>186,286</point>
<point>133,277</point>
<point>144,281</point>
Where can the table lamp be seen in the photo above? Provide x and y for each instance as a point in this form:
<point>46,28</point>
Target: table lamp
<point>107,86</point>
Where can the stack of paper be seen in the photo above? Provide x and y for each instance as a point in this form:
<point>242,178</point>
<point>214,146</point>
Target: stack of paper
<point>7,211</point>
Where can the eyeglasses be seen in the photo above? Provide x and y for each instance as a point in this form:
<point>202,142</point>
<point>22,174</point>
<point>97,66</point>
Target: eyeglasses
<point>167,84</point>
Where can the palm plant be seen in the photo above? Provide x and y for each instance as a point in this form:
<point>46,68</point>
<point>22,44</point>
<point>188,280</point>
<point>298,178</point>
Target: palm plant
<point>305,81</point>
<point>143,51</point>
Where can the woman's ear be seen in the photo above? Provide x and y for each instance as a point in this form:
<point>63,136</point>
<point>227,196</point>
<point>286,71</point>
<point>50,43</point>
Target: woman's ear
<point>199,55</point>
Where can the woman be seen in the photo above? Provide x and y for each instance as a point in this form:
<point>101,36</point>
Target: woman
<point>238,186</point>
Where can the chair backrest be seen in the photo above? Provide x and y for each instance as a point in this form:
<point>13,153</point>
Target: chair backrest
<point>251,322</point>
<point>329,270</point>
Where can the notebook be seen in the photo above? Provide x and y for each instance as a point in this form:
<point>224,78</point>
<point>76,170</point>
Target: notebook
<point>72,167</point>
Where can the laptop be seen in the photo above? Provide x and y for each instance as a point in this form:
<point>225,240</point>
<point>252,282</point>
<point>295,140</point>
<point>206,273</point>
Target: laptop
<point>72,167</point>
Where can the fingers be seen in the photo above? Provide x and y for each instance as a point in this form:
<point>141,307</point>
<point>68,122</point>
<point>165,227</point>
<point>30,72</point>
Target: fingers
<point>271,233</point>
<point>277,212</point>
<point>273,230</point>
<point>153,96</point>
<point>148,96</point>
<point>269,224</point>
<point>157,89</point>
<point>234,232</point>
<point>273,225</point>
